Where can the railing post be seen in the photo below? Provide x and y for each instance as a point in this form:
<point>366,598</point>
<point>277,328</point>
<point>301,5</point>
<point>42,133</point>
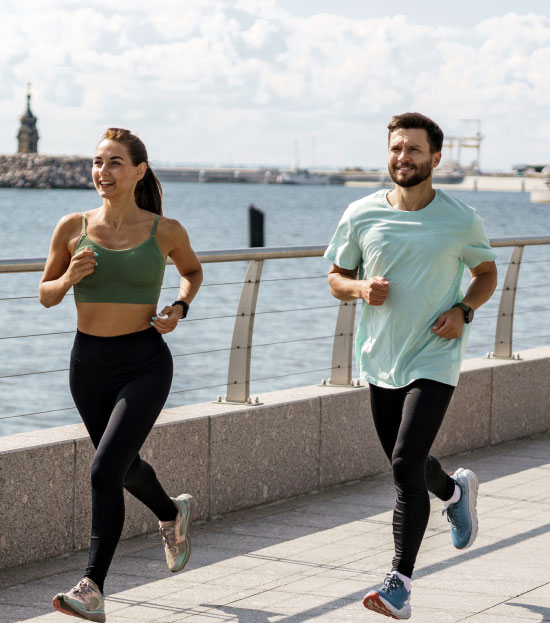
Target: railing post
<point>342,347</point>
<point>505,321</point>
<point>238,373</point>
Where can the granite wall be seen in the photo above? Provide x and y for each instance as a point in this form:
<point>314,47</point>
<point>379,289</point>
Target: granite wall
<point>232,457</point>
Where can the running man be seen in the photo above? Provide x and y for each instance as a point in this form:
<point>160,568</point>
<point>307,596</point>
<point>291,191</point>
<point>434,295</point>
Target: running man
<point>403,252</point>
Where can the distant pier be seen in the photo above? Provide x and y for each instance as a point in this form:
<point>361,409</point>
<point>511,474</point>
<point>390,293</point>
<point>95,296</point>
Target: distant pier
<point>48,171</point>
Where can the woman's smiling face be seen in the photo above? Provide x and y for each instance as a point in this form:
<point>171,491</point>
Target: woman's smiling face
<point>113,173</point>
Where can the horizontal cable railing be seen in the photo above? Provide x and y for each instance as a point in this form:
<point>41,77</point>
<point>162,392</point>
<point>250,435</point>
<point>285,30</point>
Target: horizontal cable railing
<point>238,373</point>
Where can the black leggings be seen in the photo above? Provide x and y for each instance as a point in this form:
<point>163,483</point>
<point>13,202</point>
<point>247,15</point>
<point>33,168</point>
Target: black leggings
<point>407,420</point>
<point>119,385</point>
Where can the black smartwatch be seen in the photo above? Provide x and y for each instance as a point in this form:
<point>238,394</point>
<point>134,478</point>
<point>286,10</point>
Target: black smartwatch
<point>184,306</point>
<point>468,312</point>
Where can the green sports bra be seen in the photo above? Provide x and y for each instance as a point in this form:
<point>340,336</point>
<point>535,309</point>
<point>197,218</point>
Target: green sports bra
<point>122,276</point>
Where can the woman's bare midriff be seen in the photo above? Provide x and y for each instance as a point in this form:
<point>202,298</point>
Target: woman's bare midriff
<point>111,319</point>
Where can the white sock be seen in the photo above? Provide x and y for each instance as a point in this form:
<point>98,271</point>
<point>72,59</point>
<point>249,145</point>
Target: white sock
<point>406,581</point>
<point>455,497</point>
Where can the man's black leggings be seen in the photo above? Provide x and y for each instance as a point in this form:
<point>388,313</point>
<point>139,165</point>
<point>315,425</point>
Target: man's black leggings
<point>119,385</point>
<point>407,420</point>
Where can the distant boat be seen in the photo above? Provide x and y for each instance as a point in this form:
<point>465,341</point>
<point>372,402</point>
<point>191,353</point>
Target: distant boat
<point>302,176</point>
<point>448,173</point>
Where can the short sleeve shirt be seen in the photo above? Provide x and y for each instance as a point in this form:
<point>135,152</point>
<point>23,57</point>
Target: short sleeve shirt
<point>422,254</point>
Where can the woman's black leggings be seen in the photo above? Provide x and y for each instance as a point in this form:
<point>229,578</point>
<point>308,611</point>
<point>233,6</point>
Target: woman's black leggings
<point>119,385</point>
<point>407,420</point>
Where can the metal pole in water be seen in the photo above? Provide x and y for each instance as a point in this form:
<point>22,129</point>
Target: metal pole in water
<point>255,226</point>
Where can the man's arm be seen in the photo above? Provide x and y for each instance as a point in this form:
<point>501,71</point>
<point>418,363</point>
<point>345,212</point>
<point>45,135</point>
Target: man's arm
<point>484,281</point>
<point>482,285</point>
<point>345,286</point>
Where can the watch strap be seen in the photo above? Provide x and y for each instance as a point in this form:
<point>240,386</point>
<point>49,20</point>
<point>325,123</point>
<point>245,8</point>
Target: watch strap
<point>185,308</point>
<point>468,311</point>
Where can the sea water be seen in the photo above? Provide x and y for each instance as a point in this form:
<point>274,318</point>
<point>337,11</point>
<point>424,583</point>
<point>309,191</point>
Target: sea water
<point>295,313</point>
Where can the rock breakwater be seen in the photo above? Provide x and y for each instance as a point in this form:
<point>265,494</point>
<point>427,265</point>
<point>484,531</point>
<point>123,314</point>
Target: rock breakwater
<point>43,171</point>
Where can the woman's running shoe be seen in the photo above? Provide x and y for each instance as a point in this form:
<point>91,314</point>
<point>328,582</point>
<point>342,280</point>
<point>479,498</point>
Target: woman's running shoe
<point>175,534</point>
<point>84,600</point>
<point>392,599</point>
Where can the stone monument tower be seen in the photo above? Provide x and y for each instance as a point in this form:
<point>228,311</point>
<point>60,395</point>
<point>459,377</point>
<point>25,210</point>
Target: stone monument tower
<point>27,137</point>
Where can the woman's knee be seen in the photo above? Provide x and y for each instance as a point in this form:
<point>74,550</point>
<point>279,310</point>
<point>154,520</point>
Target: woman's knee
<point>105,474</point>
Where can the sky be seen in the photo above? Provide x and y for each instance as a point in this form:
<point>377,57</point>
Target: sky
<point>277,82</point>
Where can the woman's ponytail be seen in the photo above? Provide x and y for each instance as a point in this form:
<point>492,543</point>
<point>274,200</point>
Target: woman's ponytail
<point>148,193</point>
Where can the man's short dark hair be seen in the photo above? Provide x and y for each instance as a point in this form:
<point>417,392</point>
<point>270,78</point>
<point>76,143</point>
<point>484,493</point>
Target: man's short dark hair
<point>413,121</point>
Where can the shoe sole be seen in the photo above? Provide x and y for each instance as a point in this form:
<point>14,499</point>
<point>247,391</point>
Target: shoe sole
<point>373,602</point>
<point>473,486</point>
<point>62,606</point>
<point>190,516</point>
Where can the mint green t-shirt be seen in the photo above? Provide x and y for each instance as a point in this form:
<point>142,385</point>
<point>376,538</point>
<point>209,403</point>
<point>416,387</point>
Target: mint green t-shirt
<point>422,254</point>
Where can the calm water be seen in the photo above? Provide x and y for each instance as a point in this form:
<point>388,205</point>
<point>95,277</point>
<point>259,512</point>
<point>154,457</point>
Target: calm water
<point>216,216</point>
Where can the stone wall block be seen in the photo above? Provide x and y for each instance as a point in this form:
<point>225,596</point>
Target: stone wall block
<point>521,399</point>
<point>36,490</point>
<point>468,420</point>
<point>264,453</point>
<point>349,445</point>
<point>84,453</point>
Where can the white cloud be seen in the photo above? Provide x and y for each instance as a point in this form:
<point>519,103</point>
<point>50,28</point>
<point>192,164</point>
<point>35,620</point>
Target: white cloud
<point>201,74</point>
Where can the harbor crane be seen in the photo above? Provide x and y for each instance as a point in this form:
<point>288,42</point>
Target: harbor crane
<point>468,141</point>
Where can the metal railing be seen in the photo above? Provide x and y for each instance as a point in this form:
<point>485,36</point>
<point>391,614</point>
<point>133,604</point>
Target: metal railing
<point>238,375</point>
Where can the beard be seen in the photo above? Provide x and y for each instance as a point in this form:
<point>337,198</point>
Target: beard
<point>421,173</point>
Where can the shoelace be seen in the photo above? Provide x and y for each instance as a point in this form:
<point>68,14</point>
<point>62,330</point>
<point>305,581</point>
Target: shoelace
<point>452,515</point>
<point>168,534</point>
<point>82,589</point>
<point>391,583</point>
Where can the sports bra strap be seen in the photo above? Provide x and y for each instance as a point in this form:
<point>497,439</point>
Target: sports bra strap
<point>83,224</point>
<point>155,225</point>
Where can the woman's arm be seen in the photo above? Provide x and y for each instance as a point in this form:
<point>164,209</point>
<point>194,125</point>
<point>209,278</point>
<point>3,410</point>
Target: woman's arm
<point>189,268</point>
<point>62,270</point>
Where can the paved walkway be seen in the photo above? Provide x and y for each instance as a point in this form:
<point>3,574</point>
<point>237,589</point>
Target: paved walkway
<point>313,558</point>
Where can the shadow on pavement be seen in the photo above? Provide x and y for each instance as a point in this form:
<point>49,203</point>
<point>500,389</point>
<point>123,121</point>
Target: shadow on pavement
<point>544,612</point>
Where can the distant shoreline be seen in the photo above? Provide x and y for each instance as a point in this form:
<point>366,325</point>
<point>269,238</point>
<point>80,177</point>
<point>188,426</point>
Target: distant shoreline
<point>50,171</point>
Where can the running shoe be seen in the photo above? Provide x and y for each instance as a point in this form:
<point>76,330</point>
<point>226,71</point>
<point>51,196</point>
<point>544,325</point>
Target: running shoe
<point>463,515</point>
<point>175,534</point>
<point>392,599</point>
<point>84,601</point>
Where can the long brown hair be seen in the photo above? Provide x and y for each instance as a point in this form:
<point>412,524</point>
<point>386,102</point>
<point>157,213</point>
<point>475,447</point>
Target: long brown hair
<point>148,193</point>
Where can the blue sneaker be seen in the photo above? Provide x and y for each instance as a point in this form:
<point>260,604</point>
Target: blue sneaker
<point>463,515</point>
<point>391,599</point>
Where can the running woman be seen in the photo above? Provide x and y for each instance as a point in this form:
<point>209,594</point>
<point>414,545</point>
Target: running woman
<point>403,252</point>
<point>121,368</point>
